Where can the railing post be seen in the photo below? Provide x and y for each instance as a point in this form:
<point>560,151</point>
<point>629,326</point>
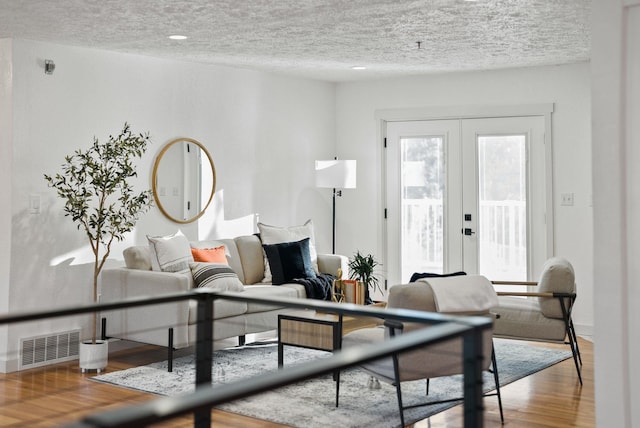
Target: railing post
<point>473,405</point>
<point>204,353</point>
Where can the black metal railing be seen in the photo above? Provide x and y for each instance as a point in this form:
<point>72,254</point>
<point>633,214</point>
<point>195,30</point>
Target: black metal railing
<point>200,403</point>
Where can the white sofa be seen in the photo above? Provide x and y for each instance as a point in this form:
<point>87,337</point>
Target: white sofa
<point>150,324</point>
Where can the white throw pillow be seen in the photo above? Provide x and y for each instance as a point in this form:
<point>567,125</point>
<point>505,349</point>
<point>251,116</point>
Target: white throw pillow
<point>270,235</point>
<point>216,276</point>
<point>170,253</point>
<point>137,257</point>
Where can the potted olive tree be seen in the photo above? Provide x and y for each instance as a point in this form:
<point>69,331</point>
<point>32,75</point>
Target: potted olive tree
<point>362,268</point>
<point>94,185</point>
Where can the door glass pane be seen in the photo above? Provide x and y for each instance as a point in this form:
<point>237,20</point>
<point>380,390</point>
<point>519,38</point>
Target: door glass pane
<point>422,219</point>
<point>502,197</point>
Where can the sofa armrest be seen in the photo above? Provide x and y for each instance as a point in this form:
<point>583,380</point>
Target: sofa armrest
<point>330,263</point>
<point>147,324</point>
<point>119,283</point>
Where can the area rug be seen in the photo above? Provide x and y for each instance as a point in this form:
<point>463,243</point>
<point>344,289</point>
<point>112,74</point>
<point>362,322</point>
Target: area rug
<point>311,403</point>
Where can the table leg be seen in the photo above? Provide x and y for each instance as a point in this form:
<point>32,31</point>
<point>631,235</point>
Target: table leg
<point>337,343</point>
<point>337,387</point>
<point>280,346</point>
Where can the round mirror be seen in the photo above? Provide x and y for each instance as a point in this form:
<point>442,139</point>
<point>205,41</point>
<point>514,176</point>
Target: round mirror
<point>184,180</point>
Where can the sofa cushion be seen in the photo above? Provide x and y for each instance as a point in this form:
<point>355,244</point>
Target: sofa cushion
<point>300,291</point>
<point>210,255</point>
<point>252,258</point>
<point>267,291</point>
<point>222,308</point>
<point>216,276</point>
<point>522,317</point>
<point>277,235</point>
<point>170,253</point>
<point>137,257</point>
<point>289,260</point>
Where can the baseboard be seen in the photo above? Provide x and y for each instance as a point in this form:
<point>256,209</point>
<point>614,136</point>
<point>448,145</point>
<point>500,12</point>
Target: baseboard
<point>585,331</point>
<point>9,366</point>
<point>116,345</point>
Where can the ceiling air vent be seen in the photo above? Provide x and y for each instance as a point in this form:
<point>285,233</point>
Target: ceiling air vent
<point>50,349</point>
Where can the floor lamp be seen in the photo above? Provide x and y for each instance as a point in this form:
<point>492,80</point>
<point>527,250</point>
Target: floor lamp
<point>337,175</point>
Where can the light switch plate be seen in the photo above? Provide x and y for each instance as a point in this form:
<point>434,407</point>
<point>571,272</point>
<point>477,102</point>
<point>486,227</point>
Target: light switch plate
<point>566,199</point>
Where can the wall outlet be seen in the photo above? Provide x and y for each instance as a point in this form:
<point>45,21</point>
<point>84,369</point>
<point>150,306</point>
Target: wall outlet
<point>566,199</point>
<point>34,204</point>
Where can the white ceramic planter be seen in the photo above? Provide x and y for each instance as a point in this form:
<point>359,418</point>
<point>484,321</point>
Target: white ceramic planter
<point>94,356</point>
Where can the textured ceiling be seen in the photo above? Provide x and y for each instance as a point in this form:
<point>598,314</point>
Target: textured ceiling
<point>320,39</point>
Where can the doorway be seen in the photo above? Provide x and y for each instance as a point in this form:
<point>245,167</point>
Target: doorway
<point>466,195</point>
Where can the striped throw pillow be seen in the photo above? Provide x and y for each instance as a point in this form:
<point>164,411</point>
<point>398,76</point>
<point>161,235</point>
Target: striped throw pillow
<point>219,277</point>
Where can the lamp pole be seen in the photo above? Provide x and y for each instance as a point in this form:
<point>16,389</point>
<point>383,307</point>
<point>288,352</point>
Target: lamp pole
<point>336,175</point>
<point>333,247</point>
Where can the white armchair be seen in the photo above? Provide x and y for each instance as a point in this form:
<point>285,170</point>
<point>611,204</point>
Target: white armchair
<point>460,295</point>
<point>544,314</point>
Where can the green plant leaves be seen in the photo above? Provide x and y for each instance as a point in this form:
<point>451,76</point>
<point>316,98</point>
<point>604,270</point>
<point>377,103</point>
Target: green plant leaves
<point>94,185</point>
<point>362,268</point>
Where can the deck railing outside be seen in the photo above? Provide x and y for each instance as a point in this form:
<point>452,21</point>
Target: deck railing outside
<point>503,237</point>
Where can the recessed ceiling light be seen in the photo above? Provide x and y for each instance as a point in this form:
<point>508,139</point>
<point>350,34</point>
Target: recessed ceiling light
<point>178,37</point>
<point>358,67</point>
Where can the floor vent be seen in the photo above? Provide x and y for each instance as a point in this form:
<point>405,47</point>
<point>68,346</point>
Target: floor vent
<point>50,349</point>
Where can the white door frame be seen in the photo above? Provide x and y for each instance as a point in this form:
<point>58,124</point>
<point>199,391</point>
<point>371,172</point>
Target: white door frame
<point>471,112</point>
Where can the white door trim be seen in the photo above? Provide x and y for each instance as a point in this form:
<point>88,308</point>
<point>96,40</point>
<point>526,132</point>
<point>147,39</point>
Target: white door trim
<point>463,112</point>
<point>382,116</point>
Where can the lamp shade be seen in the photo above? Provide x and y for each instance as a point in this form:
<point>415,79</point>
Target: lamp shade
<point>336,174</point>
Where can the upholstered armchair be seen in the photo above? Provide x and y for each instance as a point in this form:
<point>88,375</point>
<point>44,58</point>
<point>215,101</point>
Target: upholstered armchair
<point>544,314</point>
<point>460,295</point>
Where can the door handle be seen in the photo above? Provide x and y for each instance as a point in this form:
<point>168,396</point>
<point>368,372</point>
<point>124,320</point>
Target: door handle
<point>468,232</point>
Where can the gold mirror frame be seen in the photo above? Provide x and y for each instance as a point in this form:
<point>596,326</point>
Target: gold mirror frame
<point>154,180</point>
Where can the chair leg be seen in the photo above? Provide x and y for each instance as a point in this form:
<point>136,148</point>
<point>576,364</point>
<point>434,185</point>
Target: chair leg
<point>396,374</point>
<point>497,382</point>
<point>573,342</point>
<point>574,351</point>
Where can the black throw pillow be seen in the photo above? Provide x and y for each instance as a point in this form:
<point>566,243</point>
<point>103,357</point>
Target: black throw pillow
<point>416,276</point>
<point>289,260</point>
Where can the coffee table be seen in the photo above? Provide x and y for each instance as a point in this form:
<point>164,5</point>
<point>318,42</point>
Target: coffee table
<point>318,330</point>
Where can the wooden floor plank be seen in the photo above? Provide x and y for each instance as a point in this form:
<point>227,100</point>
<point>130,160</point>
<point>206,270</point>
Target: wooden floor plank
<point>55,395</point>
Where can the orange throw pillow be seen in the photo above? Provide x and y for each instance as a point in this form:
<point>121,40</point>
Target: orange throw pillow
<point>210,255</point>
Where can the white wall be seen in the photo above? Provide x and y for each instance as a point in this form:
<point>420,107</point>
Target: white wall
<point>6,128</point>
<point>263,131</point>
<point>616,156</point>
<point>568,87</point>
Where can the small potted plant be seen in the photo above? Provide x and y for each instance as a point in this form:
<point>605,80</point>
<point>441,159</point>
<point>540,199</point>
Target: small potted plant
<point>362,268</point>
<point>94,185</point>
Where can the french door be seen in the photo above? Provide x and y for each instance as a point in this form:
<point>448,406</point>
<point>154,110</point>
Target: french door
<point>466,194</point>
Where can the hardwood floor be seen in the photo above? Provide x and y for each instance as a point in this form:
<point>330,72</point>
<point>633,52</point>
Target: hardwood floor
<point>59,394</point>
